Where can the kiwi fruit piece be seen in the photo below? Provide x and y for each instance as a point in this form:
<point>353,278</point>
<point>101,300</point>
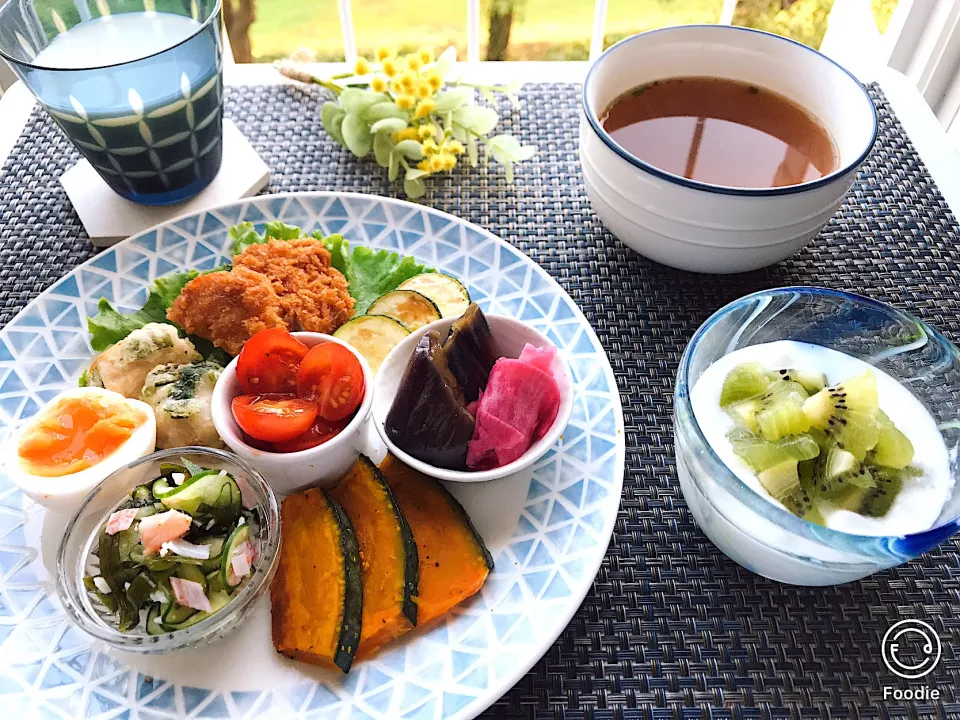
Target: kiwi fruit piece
<point>780,480</point>
<point>745,413</point>
<point>781,411</point>
<point>878,500</point>
<point>847,413</point>
<point>850,499</point>
<point>761,455</point>
<point>838,471</point>
<point>801,501</point>
<point>801,504</point>
<point>746,380</point>
<point>893,448</point>
<point>811,380</point>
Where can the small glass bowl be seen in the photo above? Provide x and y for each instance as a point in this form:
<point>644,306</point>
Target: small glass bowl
<point>764,537</point>
<point>81,532</point>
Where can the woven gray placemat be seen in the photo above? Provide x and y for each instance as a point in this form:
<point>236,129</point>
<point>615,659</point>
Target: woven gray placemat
<point>671,628</point>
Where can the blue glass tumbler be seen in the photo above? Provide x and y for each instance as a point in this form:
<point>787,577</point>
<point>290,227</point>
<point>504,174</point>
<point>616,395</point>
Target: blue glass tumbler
<point>135,84</point>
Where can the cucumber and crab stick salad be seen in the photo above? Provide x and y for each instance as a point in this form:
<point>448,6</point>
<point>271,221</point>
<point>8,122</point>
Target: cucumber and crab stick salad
<point>176,551</point>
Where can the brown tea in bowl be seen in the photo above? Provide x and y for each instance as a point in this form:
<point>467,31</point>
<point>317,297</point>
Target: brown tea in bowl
<point>722,132</point>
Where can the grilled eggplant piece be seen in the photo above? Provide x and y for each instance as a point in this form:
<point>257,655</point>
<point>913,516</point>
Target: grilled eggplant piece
<point>429,419</point>
<point>471,352</point>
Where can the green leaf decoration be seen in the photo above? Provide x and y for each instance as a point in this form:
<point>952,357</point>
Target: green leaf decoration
<point>384,110</point>
<point>355,100</point>
<point>506,148</point>
<point>446,62</point>
<point>383,145</point>
<point>356,135</point>
<point>393,165</point>
<point>414,174</point>
<point>472,152</point>
<point>414,188</point>
<point>362,120</point>
<point>476,119</point>
<point>452,99</point>
<point>410,149</point>
<point>388,125</point>
<point>331,117</point>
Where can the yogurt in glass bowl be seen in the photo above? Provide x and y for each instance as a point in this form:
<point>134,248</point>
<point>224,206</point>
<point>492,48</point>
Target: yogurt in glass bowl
<point>917,373</point>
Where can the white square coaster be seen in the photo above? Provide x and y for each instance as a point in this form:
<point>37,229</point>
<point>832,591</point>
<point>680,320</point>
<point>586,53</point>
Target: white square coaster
<point>109,218</point>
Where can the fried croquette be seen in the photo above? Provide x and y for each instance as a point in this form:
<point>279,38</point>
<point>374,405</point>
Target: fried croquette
<point>228,308</point>
<point>313,295</point>
<point>281,283</point>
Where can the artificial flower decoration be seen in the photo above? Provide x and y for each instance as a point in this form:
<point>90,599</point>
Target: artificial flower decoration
<point>414,121</point>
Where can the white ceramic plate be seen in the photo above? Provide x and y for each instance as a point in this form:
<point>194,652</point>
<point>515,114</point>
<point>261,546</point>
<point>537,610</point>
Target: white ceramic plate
<point>547,527</point>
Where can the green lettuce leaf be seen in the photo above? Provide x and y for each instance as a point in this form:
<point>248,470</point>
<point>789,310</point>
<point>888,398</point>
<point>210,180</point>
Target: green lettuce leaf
<point>245,234</point>
<point>369,273</point>
<point>109,326</point>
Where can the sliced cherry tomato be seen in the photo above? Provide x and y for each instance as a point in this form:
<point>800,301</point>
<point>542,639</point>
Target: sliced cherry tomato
<point>258,444</point>
<point>268,362</point>
<point>274,418</point>
<point>331,376</point>
<point>320,432</point>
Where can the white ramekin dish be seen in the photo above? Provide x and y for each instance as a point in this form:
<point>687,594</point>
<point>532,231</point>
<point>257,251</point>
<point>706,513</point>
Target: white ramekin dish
<point>698,226</point>
<point>511,335</point>
<point>287,473</point>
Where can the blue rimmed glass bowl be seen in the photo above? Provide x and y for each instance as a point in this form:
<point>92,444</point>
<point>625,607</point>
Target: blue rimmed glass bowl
<point>764,537</point>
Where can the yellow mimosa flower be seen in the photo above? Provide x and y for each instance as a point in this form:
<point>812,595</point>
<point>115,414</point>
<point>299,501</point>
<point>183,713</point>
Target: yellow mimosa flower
<point>362,67</point>
<point>409,133</point>
<point>413,62</point>
<point>449,161</point>
<point>407,80</point>
<point>453,146</point>
<point>429,146</point>
<point>434,81</point>
<point>424,90</point>
<point>406,102</point>
<point>378,84</point>
<point>390,68</point>
<point>383,53</point>
<point>425,54</point>
<point>424,165</point>
<point>396,87</point>
<point>436,164</point>
<point>426,131</point>
<point>424,108</point>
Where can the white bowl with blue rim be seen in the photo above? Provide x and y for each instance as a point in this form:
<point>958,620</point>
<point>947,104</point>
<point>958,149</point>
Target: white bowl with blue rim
<point>699,226</point>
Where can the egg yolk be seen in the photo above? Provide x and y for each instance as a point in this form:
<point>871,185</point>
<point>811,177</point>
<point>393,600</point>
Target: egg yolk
<point>75,434</point>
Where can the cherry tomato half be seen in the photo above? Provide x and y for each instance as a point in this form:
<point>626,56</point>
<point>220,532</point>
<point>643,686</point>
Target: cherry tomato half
<point>274,418</point>
<point>320,432</point>
<point>268,362</point>
<point>331,376</point>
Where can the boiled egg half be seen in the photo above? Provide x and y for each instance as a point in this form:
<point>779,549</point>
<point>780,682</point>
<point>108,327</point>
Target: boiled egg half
<point>76,440</point>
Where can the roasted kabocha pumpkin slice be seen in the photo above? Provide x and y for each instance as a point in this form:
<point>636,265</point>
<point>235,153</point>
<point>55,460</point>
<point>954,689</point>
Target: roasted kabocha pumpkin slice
<point>388,555</point>
<point>454,562</point>
<point>317,594</point>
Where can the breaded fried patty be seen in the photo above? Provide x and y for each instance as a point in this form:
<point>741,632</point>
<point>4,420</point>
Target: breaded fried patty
<point>313,295</point>
<point>227,308</point>
<point>281,283</point>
